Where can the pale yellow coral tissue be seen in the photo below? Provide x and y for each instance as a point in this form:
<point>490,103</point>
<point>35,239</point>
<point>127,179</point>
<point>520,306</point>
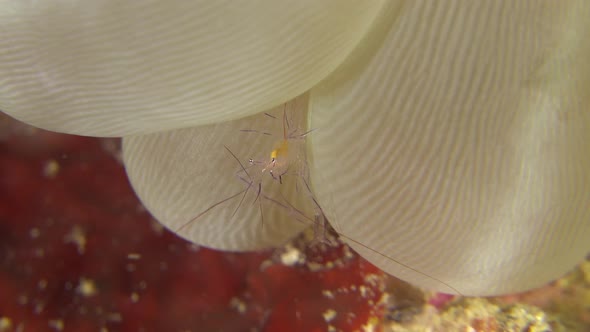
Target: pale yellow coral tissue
<point>451,138</point>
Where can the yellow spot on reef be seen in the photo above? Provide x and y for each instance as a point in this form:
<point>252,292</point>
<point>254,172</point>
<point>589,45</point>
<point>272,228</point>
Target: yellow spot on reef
<point>5,323</point>
<point>86,287</point>
<point>51,168</point>
<point>56,324</point>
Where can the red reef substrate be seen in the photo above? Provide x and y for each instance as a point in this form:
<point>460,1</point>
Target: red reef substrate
<point>79,253</point>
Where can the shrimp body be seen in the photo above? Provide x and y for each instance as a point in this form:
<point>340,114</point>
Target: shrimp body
<point>280,152</point>
<point>279,161</point>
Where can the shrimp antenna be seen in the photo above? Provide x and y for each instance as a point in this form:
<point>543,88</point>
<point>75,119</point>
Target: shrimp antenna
<point>315,202</point>
<point>305,133</point>
<point>248,188</point>
<point>249,183</point>
<point>400,263</point>
<point>239,162</point>
<point>255,131</point>
<point>261,214</point>
<point>209,209</point>
<point>259,204</point>
<point>285,122</point>
<point>386,256</point>
<point>289,207</point>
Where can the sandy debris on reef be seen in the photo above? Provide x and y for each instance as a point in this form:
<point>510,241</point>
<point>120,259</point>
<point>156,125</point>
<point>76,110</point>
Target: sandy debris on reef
<point>563,305</point>
<point>478,314</point>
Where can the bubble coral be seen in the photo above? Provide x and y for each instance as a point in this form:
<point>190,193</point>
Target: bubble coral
<point>451,136</point>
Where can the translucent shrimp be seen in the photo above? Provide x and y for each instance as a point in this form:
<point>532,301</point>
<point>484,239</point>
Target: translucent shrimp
<point>286,160</point>
<point>264,177</point>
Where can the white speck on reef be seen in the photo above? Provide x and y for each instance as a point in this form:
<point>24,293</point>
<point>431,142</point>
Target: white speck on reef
<point>372,279</point>
<point>328,294</point>
<point>370,326</point>
<point>77,237</point>
<point>133,256</point>
<point>238,304</point>
<point>384,299</point>
<point>291,256</point>
<point>329,315</point>
<point>363,290</point>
